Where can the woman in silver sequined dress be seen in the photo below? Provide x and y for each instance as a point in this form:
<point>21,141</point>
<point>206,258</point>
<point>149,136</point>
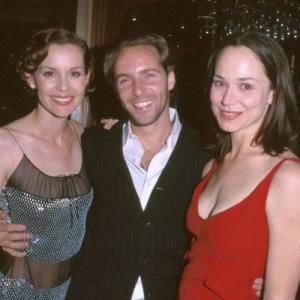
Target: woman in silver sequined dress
<point>43,181</point>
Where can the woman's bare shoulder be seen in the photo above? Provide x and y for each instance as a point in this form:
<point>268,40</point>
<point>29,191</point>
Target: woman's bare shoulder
<point>289,171</point>
<point>6,140</point>
<point>17,127</point>
<point>285,185</point>
<point>10,154</point>
<point>8,136</point>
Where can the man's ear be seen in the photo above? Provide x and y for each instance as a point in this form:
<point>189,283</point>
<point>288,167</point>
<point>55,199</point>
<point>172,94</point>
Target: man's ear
<point>30,80</point>
<point>171,80</point>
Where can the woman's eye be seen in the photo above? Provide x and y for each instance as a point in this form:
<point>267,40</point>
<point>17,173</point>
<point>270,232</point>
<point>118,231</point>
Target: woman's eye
<point>218,83</point>
<point>48,74</point>
<point>76,74</point>
<point>246,87</point>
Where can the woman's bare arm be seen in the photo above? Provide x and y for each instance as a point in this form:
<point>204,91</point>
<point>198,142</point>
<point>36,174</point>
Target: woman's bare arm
<point>12,236</point>
<point>283,211</point>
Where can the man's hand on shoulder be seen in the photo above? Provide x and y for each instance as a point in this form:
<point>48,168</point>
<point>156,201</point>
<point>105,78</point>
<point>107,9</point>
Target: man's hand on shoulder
<point>108,123</point>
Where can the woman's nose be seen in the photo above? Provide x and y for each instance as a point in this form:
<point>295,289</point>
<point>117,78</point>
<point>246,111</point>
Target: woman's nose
<point>62,82</point>
<point>229,96</point>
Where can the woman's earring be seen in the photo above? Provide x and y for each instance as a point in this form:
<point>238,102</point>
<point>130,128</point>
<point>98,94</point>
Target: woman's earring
<point>32,85</point>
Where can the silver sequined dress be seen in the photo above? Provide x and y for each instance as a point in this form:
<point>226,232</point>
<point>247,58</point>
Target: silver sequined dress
<point>54,210</point>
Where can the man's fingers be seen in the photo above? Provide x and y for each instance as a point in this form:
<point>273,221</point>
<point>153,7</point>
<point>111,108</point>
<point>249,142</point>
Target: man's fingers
<point>108,123</point>
<point>13,237</point>
<point>2,215</point>
<point>12,248</point>
<point>15,245</point>
<point>258,285</point>
<point>13,252</point>
<point>12,227</point>
<point>258,281</point>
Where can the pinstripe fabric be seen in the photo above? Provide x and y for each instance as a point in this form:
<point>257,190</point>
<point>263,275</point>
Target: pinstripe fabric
<point>123,241</point>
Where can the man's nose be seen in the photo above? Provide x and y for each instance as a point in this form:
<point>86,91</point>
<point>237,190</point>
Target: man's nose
<point>138,87</point>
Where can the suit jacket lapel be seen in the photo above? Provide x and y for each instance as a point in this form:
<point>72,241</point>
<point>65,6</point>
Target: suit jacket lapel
<point>177,158</point>
<point>115,150</point>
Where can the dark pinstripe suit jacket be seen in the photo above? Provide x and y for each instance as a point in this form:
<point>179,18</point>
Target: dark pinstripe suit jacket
<point>123,241</point>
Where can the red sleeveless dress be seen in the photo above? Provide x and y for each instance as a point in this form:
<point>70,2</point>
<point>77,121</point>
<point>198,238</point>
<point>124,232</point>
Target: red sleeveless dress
<point>229,249</point>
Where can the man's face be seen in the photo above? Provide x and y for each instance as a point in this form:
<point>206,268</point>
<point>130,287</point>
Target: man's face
<point>143,85</point>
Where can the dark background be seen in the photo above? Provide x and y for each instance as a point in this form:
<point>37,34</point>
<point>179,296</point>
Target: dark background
<point>177,20</point>
<point>19,19</point>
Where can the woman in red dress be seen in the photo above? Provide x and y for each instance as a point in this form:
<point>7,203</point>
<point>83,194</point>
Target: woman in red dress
<point>245,213</point>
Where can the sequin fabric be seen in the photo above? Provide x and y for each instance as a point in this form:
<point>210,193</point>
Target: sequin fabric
<point>56,225</point>
<point>20,289</point>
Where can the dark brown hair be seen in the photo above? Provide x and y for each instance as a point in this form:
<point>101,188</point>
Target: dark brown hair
<point>154,40</point>
<point>279,129</point>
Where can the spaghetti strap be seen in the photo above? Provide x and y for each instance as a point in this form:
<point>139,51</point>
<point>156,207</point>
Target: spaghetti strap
<point>212,169</point>
<point>277,166</point>
<point>14,137</point>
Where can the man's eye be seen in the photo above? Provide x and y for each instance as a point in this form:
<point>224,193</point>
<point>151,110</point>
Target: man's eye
<point>150,75</point>
<point>123,82</point>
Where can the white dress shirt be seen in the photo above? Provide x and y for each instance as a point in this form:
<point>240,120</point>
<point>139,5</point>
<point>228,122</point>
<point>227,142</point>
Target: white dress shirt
<point>144,181</point>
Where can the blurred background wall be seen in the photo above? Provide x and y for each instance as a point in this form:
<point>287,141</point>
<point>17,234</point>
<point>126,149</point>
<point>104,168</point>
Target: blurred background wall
<point>192,28</point>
